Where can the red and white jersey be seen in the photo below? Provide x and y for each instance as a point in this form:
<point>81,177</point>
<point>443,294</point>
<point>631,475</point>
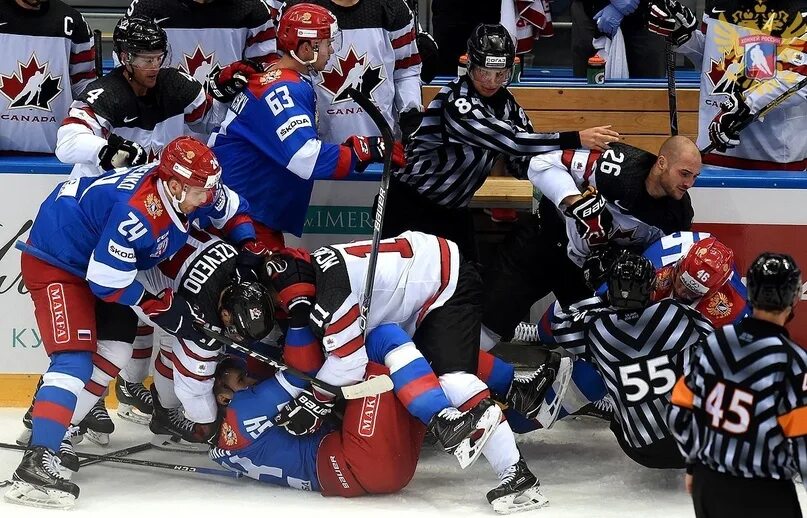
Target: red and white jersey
<point>415,274</point>
<point>47,60</point>
<point>379,57</point>
<point>172,108</point>
<point>764,55</point>
<point>204,37</point>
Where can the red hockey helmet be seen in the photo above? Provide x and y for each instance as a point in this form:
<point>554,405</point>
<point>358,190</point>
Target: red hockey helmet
<point>304,22</point>
<point>706,266</point>
<point>190,162</point>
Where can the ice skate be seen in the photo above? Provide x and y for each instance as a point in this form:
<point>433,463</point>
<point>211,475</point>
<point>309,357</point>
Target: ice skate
<point>519,490</point>
<point>38,483</point>
<point>465,433</point>
<point>134,401</point>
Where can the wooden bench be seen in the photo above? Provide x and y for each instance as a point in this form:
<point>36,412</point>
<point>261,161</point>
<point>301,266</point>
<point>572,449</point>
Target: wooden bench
<point>641,115</point>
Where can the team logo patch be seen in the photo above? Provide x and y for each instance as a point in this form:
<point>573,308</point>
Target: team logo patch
<point>228,435</point>
<point>664,279</point>
<point>162,245</point>
<point>255,313</point>
<point>760,56</point>
<point>369,415</point>
<point>199,65</point>
<point>154,206</point>
<point>30,86</point>
<point>353,71</point>
<point>269,77</point>
<point>719,305</point>
<point>58,313</point>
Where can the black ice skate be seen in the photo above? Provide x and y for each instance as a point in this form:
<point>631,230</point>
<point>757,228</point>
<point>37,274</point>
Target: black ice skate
<point>67,455</point>
<point>37,482</point>
<point>172,430</point>
<point>527,394</point>
<point>135,401</point>
<point>98,424</point>
<point>25,436</point>
<point>465,433</point>
<point>601,409</point>
<point>519,490</point>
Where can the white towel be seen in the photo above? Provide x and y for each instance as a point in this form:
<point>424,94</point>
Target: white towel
<point>613,52</point>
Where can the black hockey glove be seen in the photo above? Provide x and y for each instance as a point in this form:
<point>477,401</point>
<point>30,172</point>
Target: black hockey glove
<point>598,263</point>
<point>671,19</point>
<point>292,276</point>
<point>120,152</point>
<point>595,224</point>
<point>409,121</point>
<point>724,129</point>
<point>174,315</point>
<point>305,414</point>
<point>227,82</point>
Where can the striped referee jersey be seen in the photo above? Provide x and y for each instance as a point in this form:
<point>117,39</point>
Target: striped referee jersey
<point>463,134</point>
<point>742,407</point>
<point>640,354</point>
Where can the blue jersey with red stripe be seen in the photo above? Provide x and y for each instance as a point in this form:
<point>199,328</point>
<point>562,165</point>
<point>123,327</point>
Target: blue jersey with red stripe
<point>269,149</point>
<point>108,228</point>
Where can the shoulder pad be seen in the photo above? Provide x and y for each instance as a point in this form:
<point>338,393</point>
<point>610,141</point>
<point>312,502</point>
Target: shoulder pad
<point>633,165</point>
<point>110,97</point>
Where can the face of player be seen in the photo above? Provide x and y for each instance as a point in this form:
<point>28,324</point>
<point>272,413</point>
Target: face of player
<point>194,197</point>
<point>31,4</point>
<point>679,176</point>
<point>326,49</point>
<point>144,67</point>
<point>682,292</point>
<point>488,81</point>
<point>231,381</point>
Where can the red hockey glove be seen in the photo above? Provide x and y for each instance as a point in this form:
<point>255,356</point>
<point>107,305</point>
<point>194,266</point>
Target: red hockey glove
<point>120,152</point>
<point>594,221</point>
<point>292,276</point>
<point>227,82</point>
<point>249,260</point>
<point>371,149</point>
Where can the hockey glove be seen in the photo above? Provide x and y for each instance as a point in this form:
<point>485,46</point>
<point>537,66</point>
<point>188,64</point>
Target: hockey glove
<point>249,260</point>
<point>724,129</point>
<point>594,221</point>
<point>174,315</point>
<point>608,20</point>
<point>671,19</point>
<point>409,121</point>
<point>120,152</point>
<point>305,414</point>
<point>598,263</point>
<point>227,82</point>
<point>371,149</point>
<point>292,276</point>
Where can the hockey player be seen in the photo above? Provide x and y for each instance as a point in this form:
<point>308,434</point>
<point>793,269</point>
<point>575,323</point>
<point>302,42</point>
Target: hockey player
<point>268,144</point>
<point>378,56</point>
<point>374,451</point>
<point>623,196</point>
<point>749,52</point>
<point>126,117</point>
<point>472,124</point>
<point>87,244</point>
<point>48,60</point>
<point>438,308</point>
<point>738,413</point>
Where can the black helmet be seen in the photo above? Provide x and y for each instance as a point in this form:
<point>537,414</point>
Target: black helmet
<point>774,282</point>
<point>251,311</point>
<point>630,281</point>
<point>491,46</point>
<point>138,34</point>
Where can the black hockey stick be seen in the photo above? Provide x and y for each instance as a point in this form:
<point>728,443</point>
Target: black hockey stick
<point>371,387</point>
<point>147,463</point>
<point>672,98</point>
<point>99,54</point>
<point>117,453</point>
<point>386,135</point>
<point>762,112</point>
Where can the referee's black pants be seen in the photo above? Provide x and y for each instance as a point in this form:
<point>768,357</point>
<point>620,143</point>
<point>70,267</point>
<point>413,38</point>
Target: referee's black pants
<point>407,209</point>
<point>662,454</point>
<point>719,495</point>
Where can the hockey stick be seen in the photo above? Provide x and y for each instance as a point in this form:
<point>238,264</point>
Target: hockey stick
<point>371,387</point>
<point>147,463</point>
<point>99,58</point>
<point>386,135</point>
<point>762,112</point>
<point>118,453</point>
<point>672,98</point>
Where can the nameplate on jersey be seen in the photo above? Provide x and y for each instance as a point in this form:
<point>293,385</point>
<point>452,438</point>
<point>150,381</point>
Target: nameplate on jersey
<point>325,258</point>
<point>69,188</point>
<point>292,125</point>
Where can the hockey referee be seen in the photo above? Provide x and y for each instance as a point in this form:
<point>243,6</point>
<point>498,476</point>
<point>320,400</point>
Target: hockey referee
<point>740,414</point>
<point>472,123</point>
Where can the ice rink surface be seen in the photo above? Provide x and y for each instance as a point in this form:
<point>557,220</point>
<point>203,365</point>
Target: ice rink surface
<point>582,471</point>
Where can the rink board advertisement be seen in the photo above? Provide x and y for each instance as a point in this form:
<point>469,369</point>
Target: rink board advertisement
<point>747,220</point>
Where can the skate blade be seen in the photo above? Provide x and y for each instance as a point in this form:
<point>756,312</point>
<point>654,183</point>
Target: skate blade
<point>549,411</point>
<point>24,438</point>
<point>526,500</point>
<point>22,493</point>
<point>99,438</point>
<point>133,415</point>
<point>171,443</point>
<point>469,449</point>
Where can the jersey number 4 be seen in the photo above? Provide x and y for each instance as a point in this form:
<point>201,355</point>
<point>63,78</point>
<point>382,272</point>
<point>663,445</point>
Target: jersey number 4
<point>398,245</point>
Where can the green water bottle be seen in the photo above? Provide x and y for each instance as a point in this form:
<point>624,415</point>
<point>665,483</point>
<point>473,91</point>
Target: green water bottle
<point>596,70</point>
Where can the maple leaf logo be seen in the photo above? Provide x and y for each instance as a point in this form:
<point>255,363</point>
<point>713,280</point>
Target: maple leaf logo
<point>30,86</point>
<point>718,68</point>
<point>199,65</point>
<point>351,71</point>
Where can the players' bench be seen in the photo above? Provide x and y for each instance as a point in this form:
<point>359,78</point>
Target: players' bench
<point>640,115</point>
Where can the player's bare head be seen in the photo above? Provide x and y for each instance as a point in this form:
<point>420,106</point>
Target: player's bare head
<point>231,376</point>
<point>309,34</point>
<point>676,168</point>
<point>31,4</point>
<point>491,55</point>
<point>191,174</point>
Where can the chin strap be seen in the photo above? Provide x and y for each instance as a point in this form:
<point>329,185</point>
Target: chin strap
<point>174,200</point>
<point>310,63</point>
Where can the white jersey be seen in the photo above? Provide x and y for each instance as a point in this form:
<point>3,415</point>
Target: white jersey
<point>762,59</point>
<point>415,274</point>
